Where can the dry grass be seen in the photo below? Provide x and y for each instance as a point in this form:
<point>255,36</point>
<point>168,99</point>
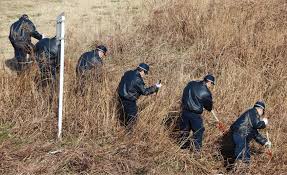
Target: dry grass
<point>242,42</point>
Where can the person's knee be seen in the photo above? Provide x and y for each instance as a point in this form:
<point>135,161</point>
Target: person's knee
<point>202,129</point>
<point>200,132</point>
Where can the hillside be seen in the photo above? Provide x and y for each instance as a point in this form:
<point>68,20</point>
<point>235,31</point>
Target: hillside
<point>243,43</point>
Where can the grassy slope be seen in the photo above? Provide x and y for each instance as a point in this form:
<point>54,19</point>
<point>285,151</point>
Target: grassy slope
<point>241,42</point>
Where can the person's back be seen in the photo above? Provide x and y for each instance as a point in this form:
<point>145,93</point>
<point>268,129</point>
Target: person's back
<point>20,37</point>
<point>90,68</point>
<point>247,123</point>
<point>48,47</point>
<point>88,61</point>
<point>48,57</point>
<point>196,96</point>
<point>22,31</point>
<point>126,87</point>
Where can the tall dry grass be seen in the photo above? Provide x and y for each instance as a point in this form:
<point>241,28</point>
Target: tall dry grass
<point>243,43</point>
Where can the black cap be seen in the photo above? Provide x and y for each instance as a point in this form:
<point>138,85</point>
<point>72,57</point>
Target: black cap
<point>210,78</point>
<point>102,48</point>
<point>144,67</point>
<point>25,16</point>
<point>260,104</point>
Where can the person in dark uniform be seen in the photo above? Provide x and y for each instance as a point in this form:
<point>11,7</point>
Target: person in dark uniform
<point>47,53</point>
<point>20,37</point>
<point>130,88</point>
<point>90,66</point>
<point>196,97</point>
<point>245,129</point>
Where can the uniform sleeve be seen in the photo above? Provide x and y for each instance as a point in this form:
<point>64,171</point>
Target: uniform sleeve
<point>207,101</point>
<point>140,87</point>
<point>256,123</point>
<point>260,139</point>
<point>11,38</point>
<point>96,63</point>
<point>34,32</point>
<point>80,68</point>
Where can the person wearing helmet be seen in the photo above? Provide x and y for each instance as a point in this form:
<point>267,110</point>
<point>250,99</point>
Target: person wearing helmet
<point>20,37</point>
<point>90,65</point>
<point>196,97</point>
<point>47,53</point>
<point>130,88</point>
<point>245,129</point>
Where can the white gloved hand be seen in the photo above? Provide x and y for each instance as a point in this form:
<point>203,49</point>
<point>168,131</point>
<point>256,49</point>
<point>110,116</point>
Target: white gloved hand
<point>158,85</point>
<point>43,36</point>
<point>265,121</point>
<point>268,144</point>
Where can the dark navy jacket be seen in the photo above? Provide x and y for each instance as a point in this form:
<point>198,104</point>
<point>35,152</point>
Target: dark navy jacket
<point>49,49</point>
<point>247,124</point>
<point>22,31</point>
<point>88,61</point>
<point>47,53</point>
<point>196,96</point>
<point>132,86</point>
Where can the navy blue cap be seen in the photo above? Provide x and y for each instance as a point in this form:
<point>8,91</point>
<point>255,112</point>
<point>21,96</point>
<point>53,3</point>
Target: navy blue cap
<point>102,48</point>
<point>144,67</point>
<point>210,78</point>
<point>260,104</point>
<point>25,16</point>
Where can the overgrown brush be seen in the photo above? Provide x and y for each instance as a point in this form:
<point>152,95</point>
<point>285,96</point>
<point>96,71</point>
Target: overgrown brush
<point>243,43</point>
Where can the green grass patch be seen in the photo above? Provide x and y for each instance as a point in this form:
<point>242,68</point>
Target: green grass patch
<point>4,133</point>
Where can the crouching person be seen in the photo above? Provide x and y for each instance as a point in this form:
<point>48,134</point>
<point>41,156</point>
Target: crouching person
<point>90,67</point>
<point>20,37</point>
<point>48,58</point>
<point>131,87</point>
<point>245,129</point>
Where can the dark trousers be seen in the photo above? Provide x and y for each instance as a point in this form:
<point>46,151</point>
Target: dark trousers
<point>191,121</point>
<point>129,110</point>
<point>242,149</point>
<point>48,70</point>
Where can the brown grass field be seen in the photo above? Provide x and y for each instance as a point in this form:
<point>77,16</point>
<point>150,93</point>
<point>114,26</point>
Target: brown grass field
<point>242,42</point>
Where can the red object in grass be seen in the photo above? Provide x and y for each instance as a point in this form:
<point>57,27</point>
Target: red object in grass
<point>269,153</point>
<point>221,127</point>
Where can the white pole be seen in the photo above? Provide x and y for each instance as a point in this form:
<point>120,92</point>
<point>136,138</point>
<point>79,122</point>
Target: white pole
<point>60,37</point>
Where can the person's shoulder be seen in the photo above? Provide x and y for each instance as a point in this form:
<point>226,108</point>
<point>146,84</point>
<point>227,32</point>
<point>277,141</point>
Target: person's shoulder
<point>46,40</point>
<point>16,22</point>
<point>138,78</point>
<point>248,112</point>
<point>130,73</point>
<point>28,21</point>
<point>86,54</point>
<point>191,83</point>
<point>42,42</point>
<point>196,83</point>
<point>202,85</point>
<point>252,111</point>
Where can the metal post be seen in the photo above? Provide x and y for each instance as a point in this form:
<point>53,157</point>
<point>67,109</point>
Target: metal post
<point>60,38</point>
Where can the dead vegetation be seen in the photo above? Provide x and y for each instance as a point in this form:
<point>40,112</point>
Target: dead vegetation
<point>242,42</point>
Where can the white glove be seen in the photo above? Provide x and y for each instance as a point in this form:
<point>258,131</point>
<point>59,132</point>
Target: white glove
<point>43,36</point>
<point>158,85</point>
<point>265,121</point>
<point>268,144</point>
